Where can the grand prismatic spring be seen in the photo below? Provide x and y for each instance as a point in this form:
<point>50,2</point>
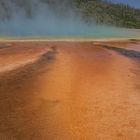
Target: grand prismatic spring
<point>65,79</point>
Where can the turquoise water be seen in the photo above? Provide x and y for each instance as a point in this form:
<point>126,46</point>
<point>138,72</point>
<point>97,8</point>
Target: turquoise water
<point>102,33</point>
<point>65,29</point>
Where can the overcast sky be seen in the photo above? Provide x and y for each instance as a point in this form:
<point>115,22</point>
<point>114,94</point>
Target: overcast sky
<point>134,3</point>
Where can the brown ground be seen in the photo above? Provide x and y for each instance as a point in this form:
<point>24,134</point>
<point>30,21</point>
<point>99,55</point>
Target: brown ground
<point>69,91</point>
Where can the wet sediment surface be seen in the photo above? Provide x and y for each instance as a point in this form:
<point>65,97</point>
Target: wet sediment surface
<point>74,90</point>
<point>125,52</point>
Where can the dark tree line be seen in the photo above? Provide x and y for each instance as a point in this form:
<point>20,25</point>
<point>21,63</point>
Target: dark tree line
<point>110,13</point>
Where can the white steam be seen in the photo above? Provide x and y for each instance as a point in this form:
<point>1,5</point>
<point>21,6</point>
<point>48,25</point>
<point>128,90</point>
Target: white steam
<point>46,21</point>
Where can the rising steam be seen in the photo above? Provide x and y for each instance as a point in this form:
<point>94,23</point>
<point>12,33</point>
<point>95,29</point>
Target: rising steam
<point>37,18</point>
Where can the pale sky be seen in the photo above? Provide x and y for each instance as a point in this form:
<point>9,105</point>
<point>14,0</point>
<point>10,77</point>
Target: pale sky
<point>133,3</point>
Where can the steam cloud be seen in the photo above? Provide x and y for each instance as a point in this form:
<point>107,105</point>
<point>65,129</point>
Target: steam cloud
<point>42,19</point>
